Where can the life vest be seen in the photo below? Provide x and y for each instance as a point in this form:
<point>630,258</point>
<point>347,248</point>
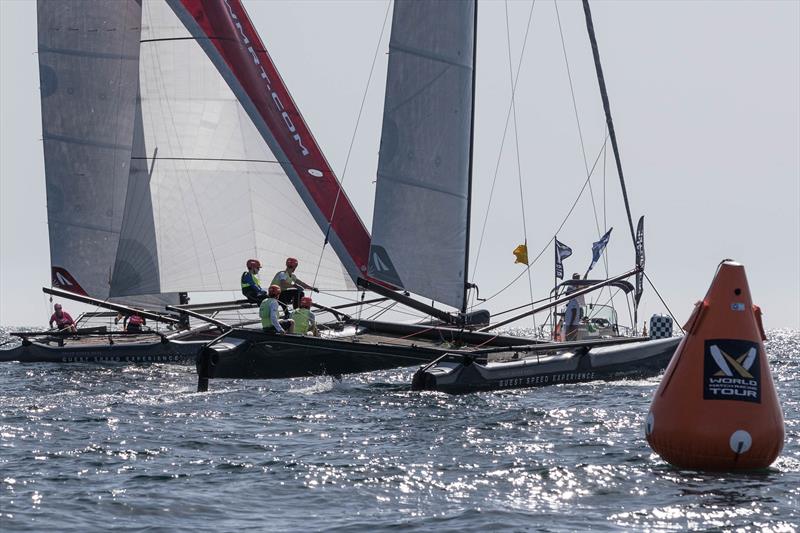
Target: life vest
<point>302,320</point>
<point>136,321</point>
<point>286,281</point>
<point>252,281</point>
<point>264,311</point>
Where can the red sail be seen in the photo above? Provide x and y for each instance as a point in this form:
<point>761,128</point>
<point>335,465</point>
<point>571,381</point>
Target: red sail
<point>242,60</point>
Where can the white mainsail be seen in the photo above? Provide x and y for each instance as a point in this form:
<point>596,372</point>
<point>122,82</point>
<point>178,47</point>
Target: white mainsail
<point>196,156</point>
<point>217,194</point>
<point>419,230</point>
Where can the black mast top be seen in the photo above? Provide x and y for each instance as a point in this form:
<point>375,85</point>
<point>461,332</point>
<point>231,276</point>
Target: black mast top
<point>471,143</point>
<point>607,108</point>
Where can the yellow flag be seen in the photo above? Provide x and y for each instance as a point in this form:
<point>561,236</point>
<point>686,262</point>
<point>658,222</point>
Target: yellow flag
<point>521,254</point>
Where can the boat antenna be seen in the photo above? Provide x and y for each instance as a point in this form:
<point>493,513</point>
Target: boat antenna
<point>607,107</point>
<point>467,285</point>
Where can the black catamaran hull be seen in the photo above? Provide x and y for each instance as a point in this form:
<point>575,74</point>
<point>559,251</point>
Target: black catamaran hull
<point>178,352</point>
<point>251,354</point>
<point>634,360</point>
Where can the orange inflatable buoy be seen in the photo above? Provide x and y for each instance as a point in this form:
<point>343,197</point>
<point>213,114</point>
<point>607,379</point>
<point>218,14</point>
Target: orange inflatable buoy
<point>716,407</point>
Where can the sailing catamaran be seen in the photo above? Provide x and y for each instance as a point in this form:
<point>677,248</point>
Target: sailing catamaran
<point>215,164</point>
<point>173,151</point>
<point>424,181</point>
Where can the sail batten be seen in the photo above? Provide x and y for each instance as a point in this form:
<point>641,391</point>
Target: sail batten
<point>419,231</point>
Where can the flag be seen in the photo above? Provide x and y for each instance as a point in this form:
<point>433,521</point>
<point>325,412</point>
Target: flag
<point>637,295</point>
<point>521,254</point>
<point>562,252</point>
<point>598,247</point>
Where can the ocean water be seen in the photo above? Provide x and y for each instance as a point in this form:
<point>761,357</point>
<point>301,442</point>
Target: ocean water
<point>135,448</point>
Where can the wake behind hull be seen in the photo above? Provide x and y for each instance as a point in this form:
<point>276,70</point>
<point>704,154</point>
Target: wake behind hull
<point>628,361</point>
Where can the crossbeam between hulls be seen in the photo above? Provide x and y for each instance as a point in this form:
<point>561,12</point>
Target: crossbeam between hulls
<point>572,295</point>
<point>120,308</point>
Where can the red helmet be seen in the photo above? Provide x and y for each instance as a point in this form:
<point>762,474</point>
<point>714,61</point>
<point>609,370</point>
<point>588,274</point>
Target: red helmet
<point>306,302</point>
<point>291,262</point>
<point>253,264</point>
<point>273,291</point>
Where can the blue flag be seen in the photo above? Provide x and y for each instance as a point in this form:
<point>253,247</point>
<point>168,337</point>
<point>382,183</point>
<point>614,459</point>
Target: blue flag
<point>598,247</point>
<point>562,252</point>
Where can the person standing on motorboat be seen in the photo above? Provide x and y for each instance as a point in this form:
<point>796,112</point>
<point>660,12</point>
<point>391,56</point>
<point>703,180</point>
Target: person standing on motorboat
<point>304,319</point>
<point>291,286</point>
<point>251,286</point>
<point>62,320</point>
<point>574,312</point>
<point>269,312</point>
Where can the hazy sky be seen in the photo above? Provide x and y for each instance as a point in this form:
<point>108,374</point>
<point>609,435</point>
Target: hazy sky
<point>706,103</point>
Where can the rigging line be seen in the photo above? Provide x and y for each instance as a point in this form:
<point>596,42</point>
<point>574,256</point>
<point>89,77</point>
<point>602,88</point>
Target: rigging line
<point>502,143</point>
<point>577,116</point>
<point>605,214</point>
<point>191,38</point>
<point>352,140</point>
<point>168,112</point>
<point>564,221</point>
<point>663,302</point>
<point>382,311</point>
<point>519,164</point>
<point>598,304</point>
<point>370,306</point>
<point>580,136</point>
<point>607,107</point>
<point>223,159</point>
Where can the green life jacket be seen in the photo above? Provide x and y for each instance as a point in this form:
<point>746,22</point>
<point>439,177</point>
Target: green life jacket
<point>263,312</point>
<point>302,320</point>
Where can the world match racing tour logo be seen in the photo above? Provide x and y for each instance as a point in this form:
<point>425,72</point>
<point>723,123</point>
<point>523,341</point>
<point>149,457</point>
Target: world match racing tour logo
<point>287,120</point>
<point>731,371</point>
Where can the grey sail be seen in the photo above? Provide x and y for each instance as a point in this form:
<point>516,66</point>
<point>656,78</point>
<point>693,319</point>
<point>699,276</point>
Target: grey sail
<point>136,268</point>
<point>419,230</point>
<point>88,63</point>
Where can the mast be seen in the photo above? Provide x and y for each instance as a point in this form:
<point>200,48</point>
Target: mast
<point>607,107</point>
<point>471,155</point>
<point>421,211</point>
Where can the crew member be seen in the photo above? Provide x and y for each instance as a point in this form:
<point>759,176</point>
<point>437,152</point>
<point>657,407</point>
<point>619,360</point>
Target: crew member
<point>304,320</point>
<point>269,312</point>
<point>251,286</point>
<point>572,317</point>
<point>133,323</point>
<point>291,287</point>
<point>62,320</point>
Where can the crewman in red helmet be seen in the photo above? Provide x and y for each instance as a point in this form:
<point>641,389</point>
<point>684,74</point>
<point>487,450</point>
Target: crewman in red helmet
<point>269,312</point>
<point>291,287</point>
<point>251,286</point>
<point>304,319</point>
